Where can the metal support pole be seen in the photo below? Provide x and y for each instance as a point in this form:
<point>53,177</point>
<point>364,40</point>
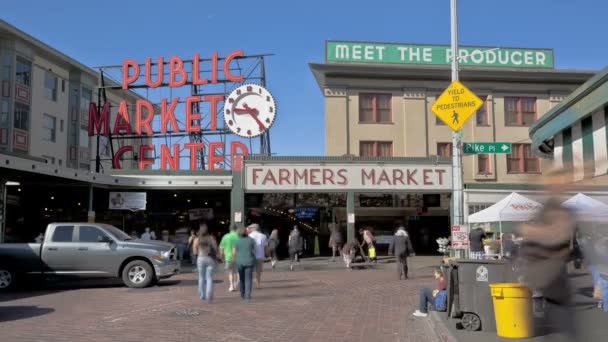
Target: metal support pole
<point>350,210</point>
<point>2,208</point>
<point>457,186</point>
<point>90,213</point>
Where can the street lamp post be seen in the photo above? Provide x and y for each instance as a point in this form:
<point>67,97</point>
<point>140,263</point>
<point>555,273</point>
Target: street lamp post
<point>457,195</point>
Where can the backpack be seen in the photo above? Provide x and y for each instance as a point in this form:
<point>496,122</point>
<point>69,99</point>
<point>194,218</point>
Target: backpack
<point>441,301</point>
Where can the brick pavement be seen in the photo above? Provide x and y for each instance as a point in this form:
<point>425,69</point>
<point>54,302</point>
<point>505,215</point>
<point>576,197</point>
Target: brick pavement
<point>322,302</point>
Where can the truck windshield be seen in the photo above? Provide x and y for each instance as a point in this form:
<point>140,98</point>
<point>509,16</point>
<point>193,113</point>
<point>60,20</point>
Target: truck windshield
<point>116,233</point>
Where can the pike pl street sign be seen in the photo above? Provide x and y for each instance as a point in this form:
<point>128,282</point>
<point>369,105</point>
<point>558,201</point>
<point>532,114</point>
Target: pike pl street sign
<point>486,147</point>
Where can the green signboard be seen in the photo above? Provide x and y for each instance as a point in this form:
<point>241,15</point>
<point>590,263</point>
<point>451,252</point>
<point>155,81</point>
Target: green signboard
<point>361,52</point>
<point>486,147</point>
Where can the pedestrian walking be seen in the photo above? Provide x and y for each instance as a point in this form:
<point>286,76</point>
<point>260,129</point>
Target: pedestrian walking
<point>191,240</point>
<point>401,247</point>
<point>244,256</point>
<point>273,244</point>
<point>476,237</point>
<point>544,254</point>
<point>369,240</point>
<point>261,242</point>
<point>335,242</point>
<point>295,245</point>
<point>349,251</point>
<point>226,246</point>
<point>206,250</point>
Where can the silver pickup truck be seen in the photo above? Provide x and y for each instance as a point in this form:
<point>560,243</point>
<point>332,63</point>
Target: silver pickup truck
<point>88,250</point>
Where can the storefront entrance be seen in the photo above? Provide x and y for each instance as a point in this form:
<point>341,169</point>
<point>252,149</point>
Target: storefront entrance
<point>349,192</point>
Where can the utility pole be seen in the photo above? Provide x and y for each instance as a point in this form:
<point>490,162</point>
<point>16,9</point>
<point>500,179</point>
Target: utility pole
<point>457,191</point>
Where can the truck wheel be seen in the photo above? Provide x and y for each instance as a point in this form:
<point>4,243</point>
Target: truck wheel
<point>137,274</point>
<point>7,279</point>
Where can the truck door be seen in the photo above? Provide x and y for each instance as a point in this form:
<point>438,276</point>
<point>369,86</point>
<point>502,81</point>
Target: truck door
<point>59,250</point>
<point>97,255</point>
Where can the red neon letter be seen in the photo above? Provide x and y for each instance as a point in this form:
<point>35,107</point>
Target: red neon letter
<point>194,147</point>
<point>190,101</point>
<point>143,161</point>
<point>122,122</point>
<point>165,157</point>
<point>196,71</point>
<point>212,159</point>
<point>176,66</point>
<point>234,146</point>
<point>227,61</point>
<point>214,71</point>
<point>98,121</point>
<point>126,79</point>
<point>214,99</point>
<point>118,155</point>
<point>168,114</point>
<point>140,122</point>
<point>159,72</point>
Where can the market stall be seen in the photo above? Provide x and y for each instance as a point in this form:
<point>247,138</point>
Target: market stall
<point>513,208</point>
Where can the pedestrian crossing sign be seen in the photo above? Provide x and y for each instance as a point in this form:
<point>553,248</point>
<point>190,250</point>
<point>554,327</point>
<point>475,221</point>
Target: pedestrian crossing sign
<point>456,105</point>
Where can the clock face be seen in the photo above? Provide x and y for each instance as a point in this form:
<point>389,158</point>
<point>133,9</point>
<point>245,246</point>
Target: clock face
<point>249,110</point>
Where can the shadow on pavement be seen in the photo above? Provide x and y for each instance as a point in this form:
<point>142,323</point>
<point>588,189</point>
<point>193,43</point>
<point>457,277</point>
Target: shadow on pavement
<point>14,313</point>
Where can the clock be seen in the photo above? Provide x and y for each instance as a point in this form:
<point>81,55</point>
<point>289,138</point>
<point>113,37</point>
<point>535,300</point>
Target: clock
<point>249,110</point>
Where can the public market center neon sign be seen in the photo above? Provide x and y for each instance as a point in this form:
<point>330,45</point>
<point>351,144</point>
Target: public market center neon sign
<point>99,122</point>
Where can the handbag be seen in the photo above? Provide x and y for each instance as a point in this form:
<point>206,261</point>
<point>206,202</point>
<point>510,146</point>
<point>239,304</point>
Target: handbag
<point>372,252</point>
<point>597,291</point>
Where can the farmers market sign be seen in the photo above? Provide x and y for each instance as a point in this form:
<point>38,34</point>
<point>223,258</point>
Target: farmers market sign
<point>361,52</point>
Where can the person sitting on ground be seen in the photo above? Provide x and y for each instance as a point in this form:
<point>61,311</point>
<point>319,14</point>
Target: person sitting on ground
<point>428,296</point>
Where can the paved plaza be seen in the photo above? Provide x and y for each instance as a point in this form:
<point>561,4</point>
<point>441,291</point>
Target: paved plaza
<point>322,302</point>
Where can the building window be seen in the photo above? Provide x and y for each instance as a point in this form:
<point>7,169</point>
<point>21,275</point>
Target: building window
<point>481,115</point>
<point>444,149</point>
<point>24,72</point>
<point>375,108</point>
<point>520,111</point>
<point>483,164</point>
<point>376,149</point>
<point>7,62</point>
<point>474,208</point>
<point>50,86</point>
<point>21,116</point>
<point>61,126</point>
<point>63,86</point>
<point>4,113</point>
<point>521,160</point>
<point>85,100</point>
<point>49,128</point>
<point>84,138</point>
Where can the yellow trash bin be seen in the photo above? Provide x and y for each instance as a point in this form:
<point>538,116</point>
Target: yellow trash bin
<point>512,310</point>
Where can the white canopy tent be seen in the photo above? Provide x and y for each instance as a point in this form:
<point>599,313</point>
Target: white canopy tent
<point>586,207</point>
<point>513,208</point>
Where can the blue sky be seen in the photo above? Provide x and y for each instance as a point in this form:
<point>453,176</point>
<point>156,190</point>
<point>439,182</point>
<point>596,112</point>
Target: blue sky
<point>106,32</point>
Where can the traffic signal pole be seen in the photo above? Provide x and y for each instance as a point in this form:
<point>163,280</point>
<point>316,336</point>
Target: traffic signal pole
<point>457,186</point>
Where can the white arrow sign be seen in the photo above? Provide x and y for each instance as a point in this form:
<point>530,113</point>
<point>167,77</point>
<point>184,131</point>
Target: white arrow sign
<point>505,147</point>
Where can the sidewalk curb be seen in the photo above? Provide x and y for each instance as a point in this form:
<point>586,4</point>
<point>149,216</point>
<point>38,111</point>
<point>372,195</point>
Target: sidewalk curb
<point>441,330</point>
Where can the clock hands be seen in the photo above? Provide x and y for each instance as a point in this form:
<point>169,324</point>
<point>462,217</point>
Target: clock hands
<point>252,112</point>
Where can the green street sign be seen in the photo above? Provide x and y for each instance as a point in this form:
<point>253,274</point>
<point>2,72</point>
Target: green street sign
<point>486,147</point>
<point>364,52</point>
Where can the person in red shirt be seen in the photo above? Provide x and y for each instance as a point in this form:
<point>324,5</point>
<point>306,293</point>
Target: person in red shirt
<point>427,296</point>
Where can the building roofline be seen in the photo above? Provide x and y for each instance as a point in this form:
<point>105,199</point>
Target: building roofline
<point>540,129</point>
<point>51,51</point>
<point>348,159</point>
<point>323,71</point>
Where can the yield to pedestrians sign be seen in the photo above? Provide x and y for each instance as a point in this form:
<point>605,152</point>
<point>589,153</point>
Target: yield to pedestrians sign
<point>456,105</point>
<point>486,147</point>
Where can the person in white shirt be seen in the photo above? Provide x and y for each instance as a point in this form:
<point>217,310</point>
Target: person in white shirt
<point>147,235</point>
<point>261,241</point>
